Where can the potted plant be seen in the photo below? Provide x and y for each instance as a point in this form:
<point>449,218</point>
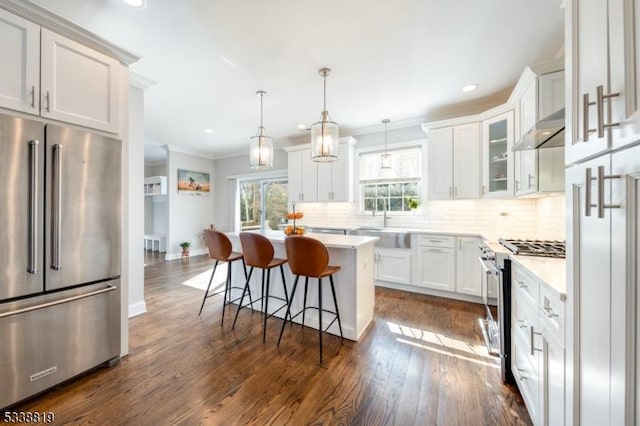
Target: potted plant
<point>185,248</point>
<point>414,203</point>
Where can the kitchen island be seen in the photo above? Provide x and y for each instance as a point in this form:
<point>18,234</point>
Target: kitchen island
<point>355,289</point>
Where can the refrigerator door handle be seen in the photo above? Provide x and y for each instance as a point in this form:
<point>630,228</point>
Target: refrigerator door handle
<point>32,267</point>
<point>57,302</point>
<point>56,206</point>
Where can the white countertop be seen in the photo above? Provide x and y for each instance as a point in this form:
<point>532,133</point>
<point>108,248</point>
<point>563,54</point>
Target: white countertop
<point>550,271</point>
<point>329,240</point>
<point>412,230</point>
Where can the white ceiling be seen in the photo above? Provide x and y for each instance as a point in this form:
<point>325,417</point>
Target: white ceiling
<point>400,60</point>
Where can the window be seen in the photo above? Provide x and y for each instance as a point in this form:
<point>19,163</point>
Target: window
<point>390,189</point>
<point>263,203</point>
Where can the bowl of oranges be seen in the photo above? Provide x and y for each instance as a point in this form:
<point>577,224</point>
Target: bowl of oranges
<point>294,215</point>
<point>293,230</point>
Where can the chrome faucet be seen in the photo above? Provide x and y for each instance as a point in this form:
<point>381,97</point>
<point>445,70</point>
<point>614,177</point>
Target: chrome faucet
<point>385,218</point>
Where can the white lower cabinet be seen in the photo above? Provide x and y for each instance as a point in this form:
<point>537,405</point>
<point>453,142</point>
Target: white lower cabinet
<point>537,336</point>
<point>436,262</point>
<point>468,269</point>
<point>393,265</point>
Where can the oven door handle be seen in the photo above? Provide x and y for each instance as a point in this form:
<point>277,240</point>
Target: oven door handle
<point>489,267</point>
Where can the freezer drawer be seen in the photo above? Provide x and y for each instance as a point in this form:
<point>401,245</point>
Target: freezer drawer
<point>49,339</point>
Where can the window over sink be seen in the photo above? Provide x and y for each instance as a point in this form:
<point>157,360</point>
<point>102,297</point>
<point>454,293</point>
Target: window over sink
<point>396,189</point>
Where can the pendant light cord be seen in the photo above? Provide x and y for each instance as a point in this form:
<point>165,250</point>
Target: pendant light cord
<point>324,100</point>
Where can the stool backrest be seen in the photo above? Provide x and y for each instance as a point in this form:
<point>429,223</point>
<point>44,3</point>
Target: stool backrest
<point>219,244</point>
<point>257,249</point>
<point>306,256</point>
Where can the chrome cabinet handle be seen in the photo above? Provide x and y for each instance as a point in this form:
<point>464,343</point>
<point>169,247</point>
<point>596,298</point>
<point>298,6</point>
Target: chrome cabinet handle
<point>46,97</point>
<point>517,185</point>
<point>521,284</point>
<point>522,376</point>
<point>484,189</point>
<point>32,267</point>
<point>548,312</point>
<point>533,348</point>
<point>521,323</point>
<point>600,205</point>
<point>456,190</point>
<point>600,97</point>
<point>585,117</point>
<point>530,176</point>
<point>33,96</point>
<point>450,193</point>
<point>56,207</point>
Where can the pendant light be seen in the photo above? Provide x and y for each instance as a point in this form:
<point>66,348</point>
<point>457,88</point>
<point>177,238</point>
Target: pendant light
<point>261,145</point>
<point>385,158</point>
<point>324,133</point>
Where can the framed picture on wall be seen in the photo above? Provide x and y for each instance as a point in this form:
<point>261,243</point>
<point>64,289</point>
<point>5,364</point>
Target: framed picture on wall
<point>193,182</point>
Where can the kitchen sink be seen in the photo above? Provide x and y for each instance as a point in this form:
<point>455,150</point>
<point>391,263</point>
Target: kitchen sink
<point>388,237</point>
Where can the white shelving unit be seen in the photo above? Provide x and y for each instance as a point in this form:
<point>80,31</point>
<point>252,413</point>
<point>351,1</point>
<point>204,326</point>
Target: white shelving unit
<point>155,185</point>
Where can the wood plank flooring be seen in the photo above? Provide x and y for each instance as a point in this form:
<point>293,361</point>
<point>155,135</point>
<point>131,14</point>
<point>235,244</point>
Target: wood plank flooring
<point>421,362</point>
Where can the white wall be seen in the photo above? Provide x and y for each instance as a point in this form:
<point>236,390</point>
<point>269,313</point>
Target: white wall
<point>135,256</point>
<point>225,188</point>
<point>189,214</point>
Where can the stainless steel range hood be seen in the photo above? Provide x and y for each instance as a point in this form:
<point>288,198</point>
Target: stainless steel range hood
<point>547,133</point>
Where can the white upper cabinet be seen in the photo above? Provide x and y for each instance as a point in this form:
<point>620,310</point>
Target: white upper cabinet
<point>20,70</point>
<point>497,157</point>
<point>602,47</point>
<point>79,85</point>
<point>454,162</point>
<point>310,181</point>
<point>46,74</point>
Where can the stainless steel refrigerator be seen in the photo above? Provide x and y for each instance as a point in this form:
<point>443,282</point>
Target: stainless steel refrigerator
<point>60,254</point>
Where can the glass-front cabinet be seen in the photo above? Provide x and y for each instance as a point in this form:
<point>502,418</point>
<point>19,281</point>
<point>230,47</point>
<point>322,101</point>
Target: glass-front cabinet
<point>497,157</point>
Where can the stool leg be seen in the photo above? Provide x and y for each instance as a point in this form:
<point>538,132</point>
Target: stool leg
<point>244,267</point>
<point>246,286</point>
<point>288,314</point>
<point>335,302</point>
<point>227,293</point>
<point>266,307</point>
<point>320,316</point>
<point>304,303</point>
<point>284,285</point>
<point>208,287</point>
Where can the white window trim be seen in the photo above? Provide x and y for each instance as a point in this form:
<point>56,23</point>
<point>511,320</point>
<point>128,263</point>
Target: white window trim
<point>264,175</point>
<point>422,187</point>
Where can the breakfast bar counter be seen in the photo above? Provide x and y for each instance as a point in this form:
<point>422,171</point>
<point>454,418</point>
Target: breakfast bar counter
<point>354,283</point>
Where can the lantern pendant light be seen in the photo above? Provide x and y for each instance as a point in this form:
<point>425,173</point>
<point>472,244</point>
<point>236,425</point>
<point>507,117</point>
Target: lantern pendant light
<point>324,133</point>
<point>385,158</point>
<point>261,145</point>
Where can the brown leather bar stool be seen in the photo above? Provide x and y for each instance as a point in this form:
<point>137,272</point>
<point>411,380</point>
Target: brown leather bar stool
<point>308,257</point>
<point>220,250</point>
<point>259,253</point>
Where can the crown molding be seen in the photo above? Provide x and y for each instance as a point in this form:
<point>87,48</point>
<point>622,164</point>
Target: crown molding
<point>188,151</point>
<point>140,81</point>
<point>59,25</point>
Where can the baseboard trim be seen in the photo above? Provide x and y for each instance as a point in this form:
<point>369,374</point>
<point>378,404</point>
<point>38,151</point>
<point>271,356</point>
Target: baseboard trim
<point>138,308</point>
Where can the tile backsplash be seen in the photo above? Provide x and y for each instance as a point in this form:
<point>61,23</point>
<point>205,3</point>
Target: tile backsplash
<point>541,218</point>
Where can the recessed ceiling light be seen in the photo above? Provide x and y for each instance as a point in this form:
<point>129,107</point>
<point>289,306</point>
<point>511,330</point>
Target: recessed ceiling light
<point>208,130</point>
<point>469,87</point>
<point>302,126</point>
<point>136,3</point>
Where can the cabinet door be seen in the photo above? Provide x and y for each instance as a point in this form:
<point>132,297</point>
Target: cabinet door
<point>394,265</point>
<point>497,164</point>
<point>309,177</point>
<point>20,70</point>
<point>294,178</point>
<point>335,179</point>
<point>553,383</point>
<point>436,268</point>
<point>469,271</point>
<point>466,161</point>
<point>78,84</point>
<point>588,239</point>
<point>528,111</point>
<point>440,163</point>
<point>588,50</point>
<point>528,179</point>
<point>551,93</point>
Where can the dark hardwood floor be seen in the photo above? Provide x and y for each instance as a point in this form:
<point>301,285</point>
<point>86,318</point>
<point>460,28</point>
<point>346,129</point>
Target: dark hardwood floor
<point>421,362</point>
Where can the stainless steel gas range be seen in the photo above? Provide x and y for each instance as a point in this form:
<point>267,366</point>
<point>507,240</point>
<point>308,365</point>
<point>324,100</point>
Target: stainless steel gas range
<point>496,292</point>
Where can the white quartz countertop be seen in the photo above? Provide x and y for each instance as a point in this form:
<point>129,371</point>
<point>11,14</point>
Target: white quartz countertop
<point>550,271</point>
<point>391,229</point>
<point>329,240</point>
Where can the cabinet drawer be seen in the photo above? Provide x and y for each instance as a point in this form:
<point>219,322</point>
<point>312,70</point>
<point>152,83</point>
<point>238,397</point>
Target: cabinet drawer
<point>436,240</point>
<point>524,316</point>
<point>552,314</point>
<point>526,283</point>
